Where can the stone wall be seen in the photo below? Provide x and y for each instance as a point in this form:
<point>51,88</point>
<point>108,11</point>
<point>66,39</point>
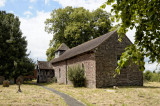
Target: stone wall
<point>106,56</point>
<point>60,72</point>
<point>43,75</point>
<point>87,59</point>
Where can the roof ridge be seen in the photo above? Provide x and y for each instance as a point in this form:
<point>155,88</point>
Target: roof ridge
<point>93,39</point>
<point>84,47</point>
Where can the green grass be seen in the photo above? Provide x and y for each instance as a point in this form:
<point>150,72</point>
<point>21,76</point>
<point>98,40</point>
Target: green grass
<point>148,95</point>
<point>31,95</point>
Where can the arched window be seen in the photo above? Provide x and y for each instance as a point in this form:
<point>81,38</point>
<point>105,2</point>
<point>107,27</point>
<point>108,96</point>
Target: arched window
<point>59,73</point>
<point>82,65</point>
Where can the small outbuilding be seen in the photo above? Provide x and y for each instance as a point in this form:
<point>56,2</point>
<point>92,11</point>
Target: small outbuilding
<point>44,71</point>
<point>99,57</point>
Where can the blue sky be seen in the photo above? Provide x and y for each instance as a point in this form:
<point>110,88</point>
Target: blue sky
<point>23,8</point>
<point>33,13</point>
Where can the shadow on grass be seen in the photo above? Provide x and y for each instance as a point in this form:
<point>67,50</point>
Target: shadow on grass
<point>34,82</point>
<point>138,87</point>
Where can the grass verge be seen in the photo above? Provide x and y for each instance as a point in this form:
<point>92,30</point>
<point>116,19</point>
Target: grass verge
<point>31,95</point>
<point>148,95</point>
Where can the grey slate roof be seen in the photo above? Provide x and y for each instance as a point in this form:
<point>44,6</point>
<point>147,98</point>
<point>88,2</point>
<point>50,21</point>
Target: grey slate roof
<point>44,65</point>
<point>63,46</point>
<point>85,47</point>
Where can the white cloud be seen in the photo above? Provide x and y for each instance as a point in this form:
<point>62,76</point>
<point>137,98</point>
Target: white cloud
<point>33,1</point>
<point>2,3</point>
<point>28,14</point>
<point>11,12</point>
<point>152,66</point>
<point>46,2</point>
<point>88,4</point>
<point>30,7</point>
<point>130,34</point>
<point>38,39</point>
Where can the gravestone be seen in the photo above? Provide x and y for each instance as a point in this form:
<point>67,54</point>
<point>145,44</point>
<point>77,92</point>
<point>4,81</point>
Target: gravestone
<point>19,81</point>
<point>12,81</point>
<point>5,83</point>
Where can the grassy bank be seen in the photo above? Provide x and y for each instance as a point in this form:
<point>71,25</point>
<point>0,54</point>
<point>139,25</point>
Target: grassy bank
<point>31,95</point>
<point>148,95</point>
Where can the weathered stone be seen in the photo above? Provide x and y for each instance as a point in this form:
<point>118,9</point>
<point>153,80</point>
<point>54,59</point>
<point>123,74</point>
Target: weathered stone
<point>20,80</point>
<point>2,79</point>
<point>106,62</point>
<point>5,83</point>
<point>44,71</point>
<point>100,64</point>
<point>89,64</point>
<point>12,81</point>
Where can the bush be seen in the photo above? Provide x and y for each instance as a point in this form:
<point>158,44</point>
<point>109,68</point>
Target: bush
<point>5,83</point>
<point>155,77</point>
<point>76,75</point>
<point>148,75</point>
<point>52,80</point>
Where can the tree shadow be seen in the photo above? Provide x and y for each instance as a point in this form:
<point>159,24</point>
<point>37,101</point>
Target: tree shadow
<point>35,83</point>
<point>151,87</point>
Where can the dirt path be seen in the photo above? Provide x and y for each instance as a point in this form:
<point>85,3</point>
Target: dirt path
<point>68,99</point>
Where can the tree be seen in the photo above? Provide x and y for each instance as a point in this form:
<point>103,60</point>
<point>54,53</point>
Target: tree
<point>12,48</point>
<point>74,26</point>
<point>144,16</point>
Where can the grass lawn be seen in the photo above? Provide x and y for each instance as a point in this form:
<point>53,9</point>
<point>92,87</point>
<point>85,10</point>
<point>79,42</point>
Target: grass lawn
<point>31,95</point>
<point>148,95</point>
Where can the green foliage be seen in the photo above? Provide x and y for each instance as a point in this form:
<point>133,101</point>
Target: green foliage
<point>25,67</point>
<point>149,76</point>
<point>144,15</point>
<point>74,26</point>
<point>114,28</point>
<point>155,77</point>
<point>52,80</point>
<point>13,57</point>
<point>76,75</point>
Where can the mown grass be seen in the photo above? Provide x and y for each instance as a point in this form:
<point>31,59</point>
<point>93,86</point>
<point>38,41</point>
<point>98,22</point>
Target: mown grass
<point>31,95</point>
<point>148,95</point>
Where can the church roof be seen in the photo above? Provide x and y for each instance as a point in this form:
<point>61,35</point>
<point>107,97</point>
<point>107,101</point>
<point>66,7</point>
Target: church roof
<point>44,65</point>
<point>84,47</point>
<point>63,46</point>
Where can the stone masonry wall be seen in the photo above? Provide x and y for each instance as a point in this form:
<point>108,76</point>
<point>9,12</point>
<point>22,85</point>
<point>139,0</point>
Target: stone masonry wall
<point>87,59</point>
<point>44,75</point>
<point>60,72</point>
<point>106,56</point>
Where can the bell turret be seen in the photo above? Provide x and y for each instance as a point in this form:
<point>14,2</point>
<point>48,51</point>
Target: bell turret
<point>62,48</point>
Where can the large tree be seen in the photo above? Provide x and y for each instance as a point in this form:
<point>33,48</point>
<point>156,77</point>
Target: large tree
<point>74,26</point>
<point>144,16</point>
<point>13,57</point>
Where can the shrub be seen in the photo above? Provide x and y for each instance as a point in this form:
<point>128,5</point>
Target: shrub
<point>76,75</point>
<point>52,80</point>
<point>148,75</point>
<point>5,83</point>
<point>155,77</point>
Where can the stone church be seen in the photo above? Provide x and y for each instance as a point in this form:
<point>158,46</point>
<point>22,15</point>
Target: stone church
<point>99,57</point>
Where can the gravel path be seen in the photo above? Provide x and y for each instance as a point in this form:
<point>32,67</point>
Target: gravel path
<point>68,99</point>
